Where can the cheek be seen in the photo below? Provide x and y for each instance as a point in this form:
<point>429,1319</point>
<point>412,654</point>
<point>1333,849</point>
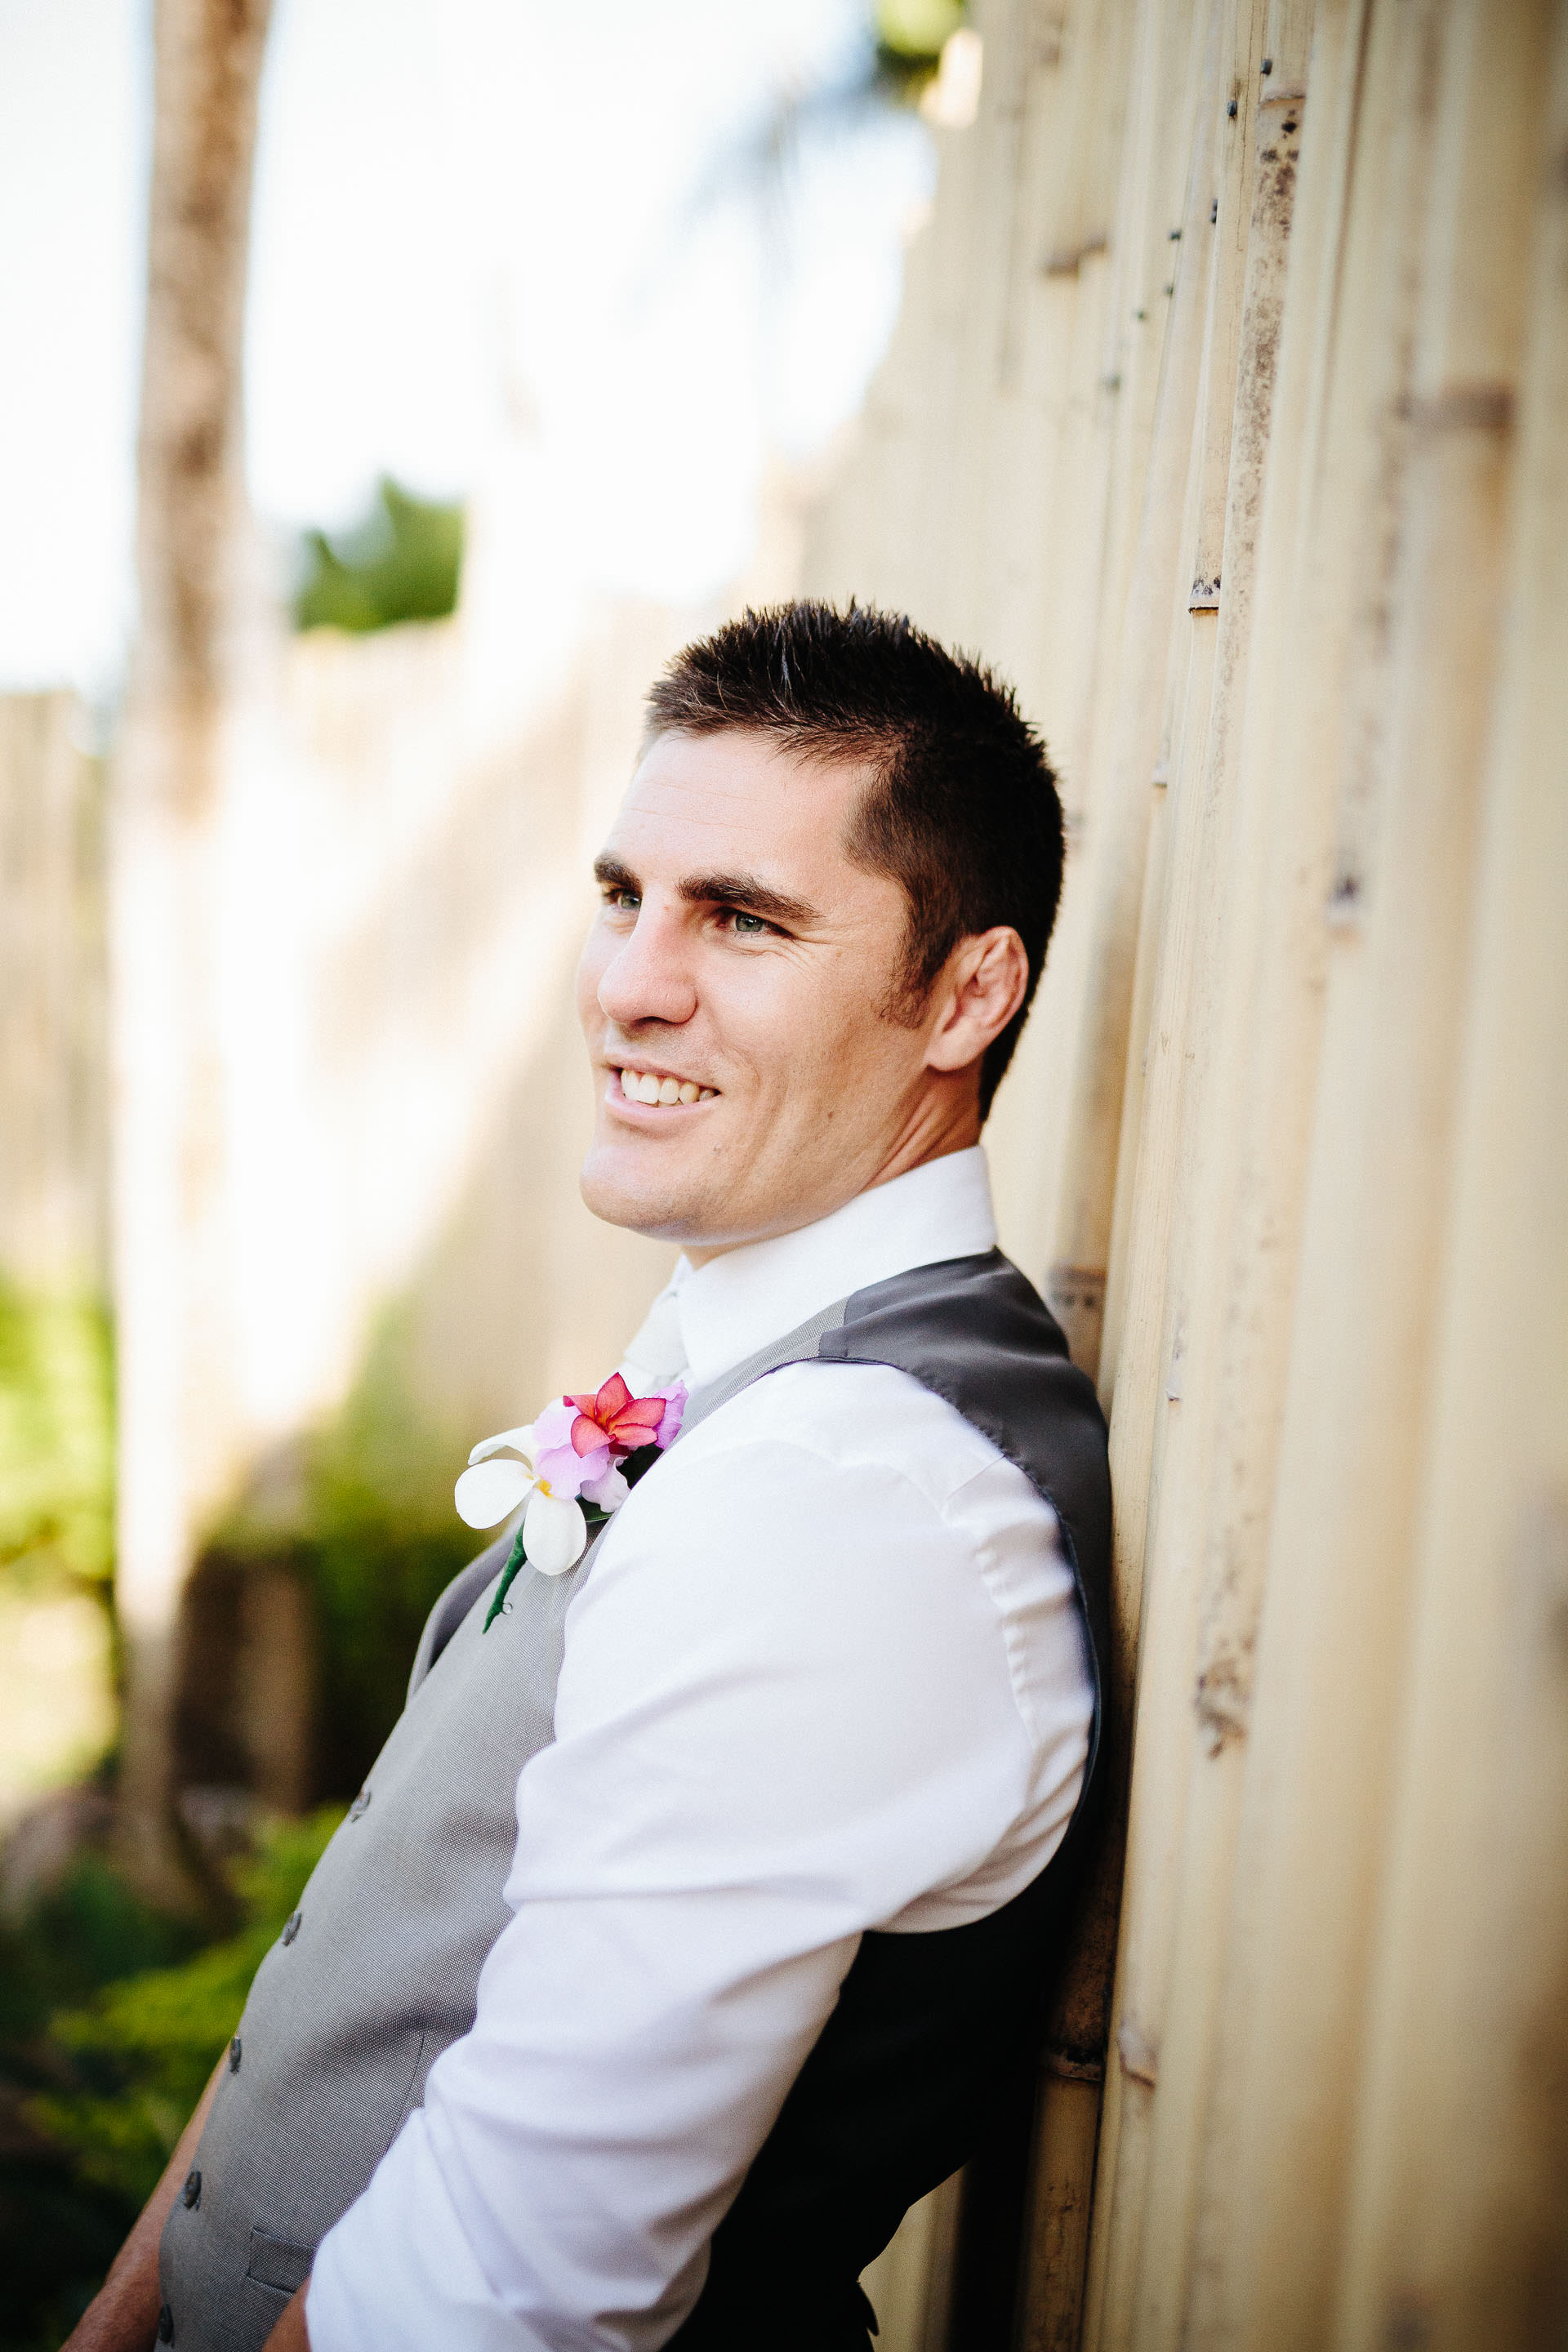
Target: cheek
<point>836,1037</point>
<point>591,966</point>
<point>779,1018</point>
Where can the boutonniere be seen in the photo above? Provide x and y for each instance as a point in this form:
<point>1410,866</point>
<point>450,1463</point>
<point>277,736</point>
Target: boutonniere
<point>574,1466</point>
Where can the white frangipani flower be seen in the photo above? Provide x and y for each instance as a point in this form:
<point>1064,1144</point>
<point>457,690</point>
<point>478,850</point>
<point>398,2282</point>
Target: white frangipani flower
<point>499,1478</point>
<point>554,1532</point>
<point>488,1489</point>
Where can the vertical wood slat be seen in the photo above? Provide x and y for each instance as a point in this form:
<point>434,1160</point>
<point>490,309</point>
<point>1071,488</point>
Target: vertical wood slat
<point>1467,2045</point>
<point>1220,255</point>
<point>1078,685</point>
<point>1156,583</point>
<point>982,458</point>
<point>1351,508</point>
<point>1056,2256</point>
<point>1162,1426</point>
<point>1066,287</point>
<point>1169,2005</point>
<point>1119,792</point>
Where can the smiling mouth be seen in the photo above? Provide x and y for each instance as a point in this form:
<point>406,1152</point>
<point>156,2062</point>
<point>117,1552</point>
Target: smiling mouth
<point>656,1088</point>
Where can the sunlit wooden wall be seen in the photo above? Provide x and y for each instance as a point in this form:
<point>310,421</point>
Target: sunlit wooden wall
<point>53,1107</point>
<point>1229,415</point>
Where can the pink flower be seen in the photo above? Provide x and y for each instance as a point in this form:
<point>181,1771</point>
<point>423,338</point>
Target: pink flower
<point>578,1440</point>
<point>616,1418</point>
<point>571,1454</point>
<point>557,1464</point>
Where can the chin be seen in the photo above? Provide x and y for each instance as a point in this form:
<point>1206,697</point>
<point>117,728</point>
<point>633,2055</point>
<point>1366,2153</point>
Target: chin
<point>642,1200</point>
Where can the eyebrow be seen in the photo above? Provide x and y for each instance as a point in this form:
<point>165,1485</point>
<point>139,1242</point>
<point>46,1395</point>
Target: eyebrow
<point>742,891</point>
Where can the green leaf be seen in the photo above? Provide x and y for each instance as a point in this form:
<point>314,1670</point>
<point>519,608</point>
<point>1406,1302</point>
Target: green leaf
<point>403,562</point>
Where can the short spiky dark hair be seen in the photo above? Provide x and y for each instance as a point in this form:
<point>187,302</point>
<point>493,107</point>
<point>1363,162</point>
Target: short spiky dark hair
<point>963,809</point>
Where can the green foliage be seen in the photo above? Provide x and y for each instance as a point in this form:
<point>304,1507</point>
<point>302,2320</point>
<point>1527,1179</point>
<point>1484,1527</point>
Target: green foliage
<point>403,562</point>
<point>909,38</point>
<point>375,1580</point>
<point>918,28</point>
<point>76,1936</point>
<point>373,1537</point>
<point>56,2241</point>
<point>57,1423</point>
<point>110,2022</point>
<point>138,2054</point>
<point>58,2232</point>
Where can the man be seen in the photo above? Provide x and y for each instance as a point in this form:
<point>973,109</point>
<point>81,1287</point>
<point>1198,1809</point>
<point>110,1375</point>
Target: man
<point>704,1896</point>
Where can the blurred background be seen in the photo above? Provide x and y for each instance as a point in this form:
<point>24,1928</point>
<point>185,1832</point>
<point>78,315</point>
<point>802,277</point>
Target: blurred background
<point>388,389</point>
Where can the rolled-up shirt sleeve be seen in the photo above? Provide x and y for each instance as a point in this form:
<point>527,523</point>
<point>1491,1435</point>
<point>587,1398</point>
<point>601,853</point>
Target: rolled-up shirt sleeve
<point>789,1709</point>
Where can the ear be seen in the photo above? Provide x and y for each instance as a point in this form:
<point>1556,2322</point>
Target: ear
<point>983,985</point>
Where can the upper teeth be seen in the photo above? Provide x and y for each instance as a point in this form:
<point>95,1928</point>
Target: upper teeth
<point>641,1086</point>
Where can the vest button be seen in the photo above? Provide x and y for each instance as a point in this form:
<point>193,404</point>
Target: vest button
<point>292,1927</point>
<point>233,2055</point>
<point>165,2324</point>
<point>191,2194</point>
<point>360,1806</point>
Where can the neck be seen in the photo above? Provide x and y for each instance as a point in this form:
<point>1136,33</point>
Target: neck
<point>942,1123</point>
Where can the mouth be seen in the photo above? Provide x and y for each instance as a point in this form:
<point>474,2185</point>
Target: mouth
<point>658,1089</point>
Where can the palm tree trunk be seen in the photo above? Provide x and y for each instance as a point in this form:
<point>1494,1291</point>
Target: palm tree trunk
<point>167,790</point>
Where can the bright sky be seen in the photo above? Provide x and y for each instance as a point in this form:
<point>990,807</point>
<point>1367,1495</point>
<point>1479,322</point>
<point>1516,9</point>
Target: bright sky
<point>470,215</point>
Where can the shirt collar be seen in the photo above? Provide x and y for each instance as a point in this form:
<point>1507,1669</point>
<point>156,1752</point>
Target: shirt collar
<point>742,1302</point>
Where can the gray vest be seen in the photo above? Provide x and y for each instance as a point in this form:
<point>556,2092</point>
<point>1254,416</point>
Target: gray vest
<point>377,1970</point>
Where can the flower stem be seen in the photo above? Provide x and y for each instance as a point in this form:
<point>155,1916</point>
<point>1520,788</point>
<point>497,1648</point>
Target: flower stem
<point>517,1558</point>
<point>513,1562</point>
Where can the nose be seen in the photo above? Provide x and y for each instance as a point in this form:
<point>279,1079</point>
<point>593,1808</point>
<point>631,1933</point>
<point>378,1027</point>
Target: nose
<point>650,977</point>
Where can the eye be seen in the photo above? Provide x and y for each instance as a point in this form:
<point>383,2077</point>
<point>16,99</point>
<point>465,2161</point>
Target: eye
<point>750,926</point>
<point>623,901</point>
<point>743,925</point>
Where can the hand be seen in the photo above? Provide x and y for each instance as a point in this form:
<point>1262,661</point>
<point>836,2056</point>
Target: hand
<point>291,2335</point>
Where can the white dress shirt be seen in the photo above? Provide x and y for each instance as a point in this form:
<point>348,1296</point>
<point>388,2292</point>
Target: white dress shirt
<point>824,1674</point>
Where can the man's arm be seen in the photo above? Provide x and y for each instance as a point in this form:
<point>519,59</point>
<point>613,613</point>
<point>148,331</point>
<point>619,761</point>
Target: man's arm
<point>123,2314</point>
<point>291,2335</point>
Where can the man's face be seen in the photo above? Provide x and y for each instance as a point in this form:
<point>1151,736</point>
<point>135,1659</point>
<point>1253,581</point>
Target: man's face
<point>740,954</point>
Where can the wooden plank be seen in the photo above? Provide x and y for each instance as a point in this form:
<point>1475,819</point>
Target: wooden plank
<point>1120,802</point>
<point>1055,2284</point>
<point>1045,634</point>
<point>1455,2213</point>
<point>1162,1425</point>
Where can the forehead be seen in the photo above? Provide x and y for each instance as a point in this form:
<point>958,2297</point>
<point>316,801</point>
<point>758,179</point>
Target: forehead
<point>740,801</point>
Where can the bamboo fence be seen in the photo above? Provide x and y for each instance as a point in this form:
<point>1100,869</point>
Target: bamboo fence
<point>1226,414</point>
